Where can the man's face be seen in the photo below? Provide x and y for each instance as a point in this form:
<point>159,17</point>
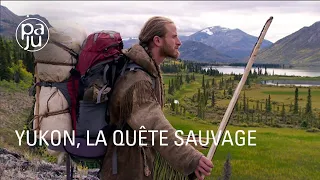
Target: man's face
<point>171,42</point>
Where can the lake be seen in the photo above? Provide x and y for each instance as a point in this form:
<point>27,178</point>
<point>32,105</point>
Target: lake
<point>309,72</point>
<point>283,82</point>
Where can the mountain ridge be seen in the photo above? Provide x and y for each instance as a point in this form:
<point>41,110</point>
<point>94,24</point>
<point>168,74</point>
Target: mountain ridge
<point>197,51</point>
<point>10,21</point>
<point>301,48</point>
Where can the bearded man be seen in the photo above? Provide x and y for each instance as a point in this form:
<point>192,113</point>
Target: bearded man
<point>138,102</point>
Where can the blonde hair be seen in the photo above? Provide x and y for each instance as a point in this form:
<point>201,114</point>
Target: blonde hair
<point>155,26</point>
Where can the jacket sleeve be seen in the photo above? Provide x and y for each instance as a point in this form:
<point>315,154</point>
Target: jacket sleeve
<point>147,112</point>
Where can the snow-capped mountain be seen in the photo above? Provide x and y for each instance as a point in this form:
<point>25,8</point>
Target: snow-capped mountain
<point>211,30</point>
<point>232,42</point>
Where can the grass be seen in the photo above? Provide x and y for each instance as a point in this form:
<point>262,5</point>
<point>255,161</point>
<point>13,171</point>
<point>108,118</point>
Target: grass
<point>284,95</point>
<point>255,92</point>
<point>279,153</point>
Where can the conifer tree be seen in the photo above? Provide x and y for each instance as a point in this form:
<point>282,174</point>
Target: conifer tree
<point>296,97</point>
<point>213,101</point>
<point>203,85</point>
<point>308,105</point>
<point>230,91</point>
<point>269,104</point>
<point>283,112</point>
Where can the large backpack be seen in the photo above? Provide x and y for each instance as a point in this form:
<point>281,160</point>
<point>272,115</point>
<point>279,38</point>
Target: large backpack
<point>100,62</point>
<point>88,91</point>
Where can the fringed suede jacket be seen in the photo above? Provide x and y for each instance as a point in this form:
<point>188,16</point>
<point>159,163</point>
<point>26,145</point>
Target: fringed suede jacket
<point>138,101</point>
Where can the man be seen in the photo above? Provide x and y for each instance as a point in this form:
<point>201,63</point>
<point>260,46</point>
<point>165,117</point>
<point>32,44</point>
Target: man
<point>137,103</point>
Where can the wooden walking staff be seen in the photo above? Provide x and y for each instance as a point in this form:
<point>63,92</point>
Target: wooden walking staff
<point>236,94</point>
<point>37,122</point>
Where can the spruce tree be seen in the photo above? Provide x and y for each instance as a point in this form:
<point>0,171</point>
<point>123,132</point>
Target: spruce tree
<point>283,112</point>
<point>244,102</point>
<point>203,85</point>
<point>213,101</point>
<point>230,91</point>
<point>308,105</point>
<point>296,97</point>
<point>269,103</point>
<point>172,105</point>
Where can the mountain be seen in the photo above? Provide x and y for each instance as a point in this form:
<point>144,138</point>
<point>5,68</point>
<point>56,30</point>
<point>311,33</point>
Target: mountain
<point>128,42</point>
<point>10,21</point>
<point>197,51</point>
<point>232,42</point>
<point>302,48</point>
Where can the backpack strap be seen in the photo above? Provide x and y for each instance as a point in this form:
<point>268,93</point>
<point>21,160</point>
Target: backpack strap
<point>134,67</point>
<point>62,86</point>
<point>71,51</point>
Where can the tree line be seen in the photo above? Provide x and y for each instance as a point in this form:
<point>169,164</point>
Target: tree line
<point>15,63</point>
<point>247,111</point>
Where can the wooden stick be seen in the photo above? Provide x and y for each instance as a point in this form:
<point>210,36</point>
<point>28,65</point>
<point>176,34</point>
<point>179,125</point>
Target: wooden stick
<point>236,94</point>
<point>37,124</point>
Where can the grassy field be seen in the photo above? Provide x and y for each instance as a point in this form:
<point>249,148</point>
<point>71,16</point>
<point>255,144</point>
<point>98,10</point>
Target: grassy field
<point>281,95</point>
<point>256,91</point>
<point>278,154</point>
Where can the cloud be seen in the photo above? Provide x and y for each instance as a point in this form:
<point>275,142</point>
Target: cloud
<point>128,17</point>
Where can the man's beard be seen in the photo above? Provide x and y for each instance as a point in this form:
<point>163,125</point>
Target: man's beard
<point>166,51</point>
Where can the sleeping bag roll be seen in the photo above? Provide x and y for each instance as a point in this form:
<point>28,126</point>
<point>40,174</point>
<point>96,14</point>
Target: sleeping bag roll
<point>53,114</point>
<point>54,63</point>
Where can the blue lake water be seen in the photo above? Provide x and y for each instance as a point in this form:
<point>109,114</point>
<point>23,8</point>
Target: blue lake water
<point>303,72</point>
<point>309,72</point>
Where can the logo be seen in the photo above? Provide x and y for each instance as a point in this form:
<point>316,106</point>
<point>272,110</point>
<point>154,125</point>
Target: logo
<point>32,34</point>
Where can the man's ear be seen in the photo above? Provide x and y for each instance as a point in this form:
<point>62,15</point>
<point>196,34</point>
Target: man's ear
<point>157,40</point>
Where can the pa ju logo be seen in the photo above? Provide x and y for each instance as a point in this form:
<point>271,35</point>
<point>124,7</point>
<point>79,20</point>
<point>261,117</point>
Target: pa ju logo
<point>31,34</point>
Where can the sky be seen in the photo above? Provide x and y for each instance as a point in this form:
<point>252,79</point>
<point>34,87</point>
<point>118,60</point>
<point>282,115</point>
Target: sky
<point>128,17</point>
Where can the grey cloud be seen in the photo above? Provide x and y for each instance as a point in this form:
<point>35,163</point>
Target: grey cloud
<point>129,16</point>
<point>257,6</point>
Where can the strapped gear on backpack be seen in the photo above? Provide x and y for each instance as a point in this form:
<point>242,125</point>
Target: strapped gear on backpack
<point>86,88</point>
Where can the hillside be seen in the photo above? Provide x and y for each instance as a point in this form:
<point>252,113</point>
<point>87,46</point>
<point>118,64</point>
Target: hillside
<point>197,51</point>
<point>227,45</point>
<point>233,42</point>
<point>301,48</point>
<point>10,21</point>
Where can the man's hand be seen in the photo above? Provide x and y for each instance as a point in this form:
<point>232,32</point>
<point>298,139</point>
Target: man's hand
<point>204,167</point>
